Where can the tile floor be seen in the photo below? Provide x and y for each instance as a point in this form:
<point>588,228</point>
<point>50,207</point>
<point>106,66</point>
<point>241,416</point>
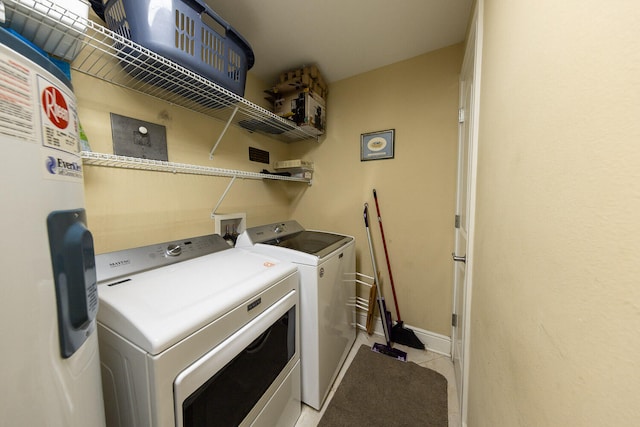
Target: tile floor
<point>438,362</point>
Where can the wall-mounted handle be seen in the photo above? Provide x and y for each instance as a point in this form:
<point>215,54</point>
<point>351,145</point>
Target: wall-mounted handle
<point>457,258</point>
<point>74,273</point>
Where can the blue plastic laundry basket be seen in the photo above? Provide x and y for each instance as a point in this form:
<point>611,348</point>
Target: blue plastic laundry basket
<point>187,32</point>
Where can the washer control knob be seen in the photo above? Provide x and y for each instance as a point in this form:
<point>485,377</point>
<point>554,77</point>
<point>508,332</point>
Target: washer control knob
<point>279,228</point>
<point>173,250</point>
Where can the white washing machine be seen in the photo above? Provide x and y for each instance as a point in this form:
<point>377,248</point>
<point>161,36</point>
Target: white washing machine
<point>195,333</point>
<point>326,262</point>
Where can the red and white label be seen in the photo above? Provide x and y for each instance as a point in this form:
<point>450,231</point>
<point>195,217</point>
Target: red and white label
<point>55,107</point>
<point>58,117</point>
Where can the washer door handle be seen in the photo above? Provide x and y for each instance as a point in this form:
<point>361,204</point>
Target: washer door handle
<point>457,258</point>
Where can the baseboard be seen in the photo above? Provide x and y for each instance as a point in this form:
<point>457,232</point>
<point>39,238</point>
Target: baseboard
<point>434,342</point>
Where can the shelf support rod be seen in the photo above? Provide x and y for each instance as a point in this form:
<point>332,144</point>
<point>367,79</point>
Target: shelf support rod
<point>233,114</point>
<point>213,214</point>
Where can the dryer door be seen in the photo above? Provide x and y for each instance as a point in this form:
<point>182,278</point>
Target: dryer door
<point>225,385</point>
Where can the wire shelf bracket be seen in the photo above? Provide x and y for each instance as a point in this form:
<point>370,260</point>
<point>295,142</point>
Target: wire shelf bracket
<point>235,110</point>
<point>213,213</point>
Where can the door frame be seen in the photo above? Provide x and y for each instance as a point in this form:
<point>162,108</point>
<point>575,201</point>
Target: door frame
<point>473,61</point>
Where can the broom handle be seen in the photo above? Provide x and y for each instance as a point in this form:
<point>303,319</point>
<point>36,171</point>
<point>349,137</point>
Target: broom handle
<point>380,300</point>
<point>386,255</point>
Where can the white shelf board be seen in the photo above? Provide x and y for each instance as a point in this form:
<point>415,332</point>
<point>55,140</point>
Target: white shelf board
<point>114,161</point>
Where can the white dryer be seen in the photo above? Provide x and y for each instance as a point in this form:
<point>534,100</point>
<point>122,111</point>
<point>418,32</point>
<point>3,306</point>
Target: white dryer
<point>326,262</point>
<point>195,333</point>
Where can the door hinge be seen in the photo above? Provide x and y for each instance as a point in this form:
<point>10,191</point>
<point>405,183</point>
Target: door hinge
<point>454,320</point>
<point>457,221</point>
<point>460,115</point>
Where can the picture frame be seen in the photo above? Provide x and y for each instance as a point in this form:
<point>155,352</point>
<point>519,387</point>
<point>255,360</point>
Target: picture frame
<point>377,145</point>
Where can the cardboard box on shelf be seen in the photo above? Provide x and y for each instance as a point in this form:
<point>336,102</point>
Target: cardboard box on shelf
<point>296,163</point>
<point>301,78</point>
<point>305,108</point>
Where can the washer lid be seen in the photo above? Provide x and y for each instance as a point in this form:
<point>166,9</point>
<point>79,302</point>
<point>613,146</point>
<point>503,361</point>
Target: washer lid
<point>157,308</point>
<point>291,235</point>
<point>316,243</point>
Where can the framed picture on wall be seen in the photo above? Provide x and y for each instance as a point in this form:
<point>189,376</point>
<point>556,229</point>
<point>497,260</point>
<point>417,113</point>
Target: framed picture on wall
<point>377,145</point>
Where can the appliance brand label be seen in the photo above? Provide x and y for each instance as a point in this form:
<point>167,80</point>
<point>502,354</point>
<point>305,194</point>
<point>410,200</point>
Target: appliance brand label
<point>59,132</point>
<point>59,121</point>
<point>55,107</point>
<point>120,263</point>
<point>61,167</point>
<point>254,304</point>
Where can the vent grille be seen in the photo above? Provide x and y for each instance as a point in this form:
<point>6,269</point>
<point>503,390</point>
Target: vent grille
<point>257,155</point>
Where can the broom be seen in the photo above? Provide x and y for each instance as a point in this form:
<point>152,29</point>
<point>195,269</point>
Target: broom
<point>385,316</point>
<point>399,334</point>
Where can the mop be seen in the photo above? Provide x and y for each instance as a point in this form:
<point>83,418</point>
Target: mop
<point>399,334</point>
<point>385,316</point>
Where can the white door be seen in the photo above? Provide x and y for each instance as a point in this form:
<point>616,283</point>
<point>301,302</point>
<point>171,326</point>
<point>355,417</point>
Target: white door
<point>461,252</point>
<point>465,209</point>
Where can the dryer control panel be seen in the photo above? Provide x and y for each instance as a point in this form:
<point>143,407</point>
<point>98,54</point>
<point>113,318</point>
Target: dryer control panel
<point>112,265</point>
<point>264,233</point>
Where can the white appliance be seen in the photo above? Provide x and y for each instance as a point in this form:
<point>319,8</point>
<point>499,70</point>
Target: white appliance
<point>49,368</point>
<point>326,262</point>
<point>195,333</point>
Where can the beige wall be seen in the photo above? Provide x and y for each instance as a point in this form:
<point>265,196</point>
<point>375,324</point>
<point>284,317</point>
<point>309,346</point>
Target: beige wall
<point>418,98</point>
<point>128,208</point>
<point>416,189</point>
<point>556,302</point>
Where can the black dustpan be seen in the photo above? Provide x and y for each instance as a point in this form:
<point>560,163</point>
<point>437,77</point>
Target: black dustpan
<point>405,336</point>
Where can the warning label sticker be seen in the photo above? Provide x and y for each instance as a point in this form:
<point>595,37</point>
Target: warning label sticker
<point>17,104</point>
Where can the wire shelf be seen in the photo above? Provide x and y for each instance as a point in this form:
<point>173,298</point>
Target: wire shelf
<point>108,56</point>
<point>115,161</point>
